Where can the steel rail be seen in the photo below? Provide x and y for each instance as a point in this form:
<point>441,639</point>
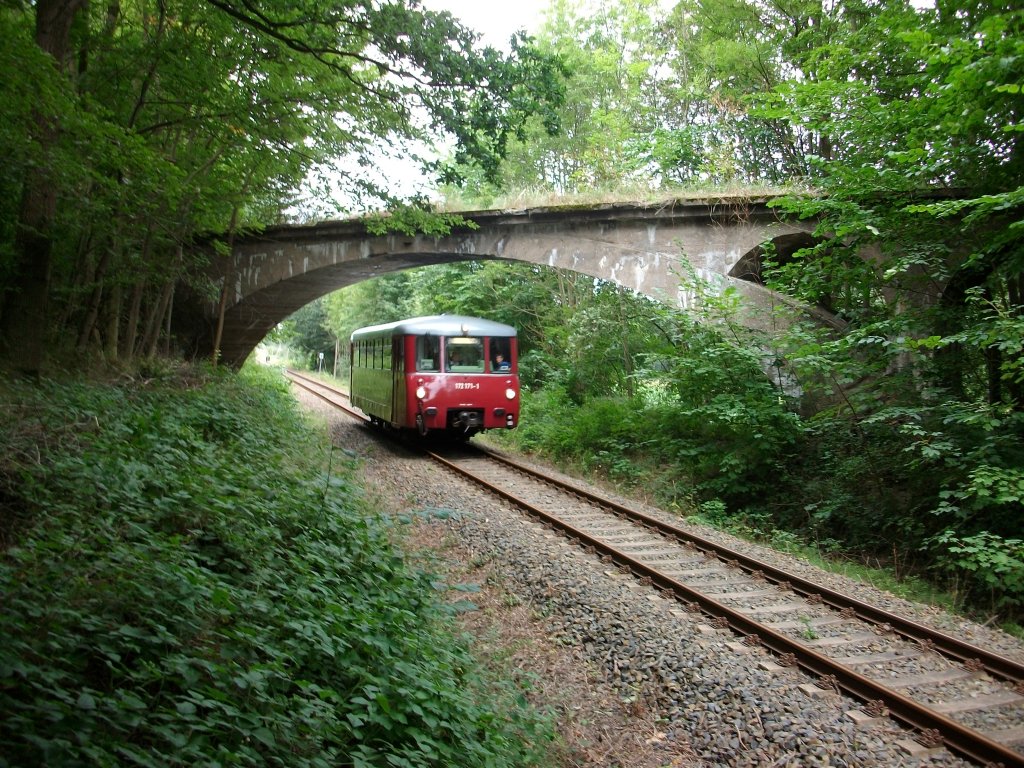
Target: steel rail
<point>998,666</point>
<point>306,381</point>
<point>933,726</point>
<point>995,664</point>
<point>959,739</point>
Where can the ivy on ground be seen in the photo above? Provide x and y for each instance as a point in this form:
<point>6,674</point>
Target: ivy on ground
<point>183,584</point>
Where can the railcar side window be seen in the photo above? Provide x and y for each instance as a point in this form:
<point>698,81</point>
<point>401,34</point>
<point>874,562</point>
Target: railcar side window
<point>428,353</point>
<point>501,355</point>
<point>465,354</point>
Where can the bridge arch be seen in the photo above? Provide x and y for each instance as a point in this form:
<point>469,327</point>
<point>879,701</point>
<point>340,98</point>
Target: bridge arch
<point>647,248</point>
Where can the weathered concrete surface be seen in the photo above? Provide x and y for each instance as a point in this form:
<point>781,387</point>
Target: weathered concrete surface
<point>648,248</point>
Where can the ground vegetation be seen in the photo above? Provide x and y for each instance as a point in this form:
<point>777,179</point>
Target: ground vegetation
<point>190,575</point>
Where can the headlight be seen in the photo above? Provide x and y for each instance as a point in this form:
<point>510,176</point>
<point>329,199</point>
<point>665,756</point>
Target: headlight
<point>421,392</point>
<point>510,394</point>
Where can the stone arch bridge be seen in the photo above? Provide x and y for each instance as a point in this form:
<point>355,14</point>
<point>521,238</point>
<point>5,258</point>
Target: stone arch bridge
<point>645,247</point>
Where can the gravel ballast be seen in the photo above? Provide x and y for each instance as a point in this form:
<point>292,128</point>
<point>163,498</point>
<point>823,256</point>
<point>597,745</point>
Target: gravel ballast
<point>636,679</point>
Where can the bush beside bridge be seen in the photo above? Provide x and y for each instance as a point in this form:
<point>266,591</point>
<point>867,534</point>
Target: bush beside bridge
<point>931,495</point>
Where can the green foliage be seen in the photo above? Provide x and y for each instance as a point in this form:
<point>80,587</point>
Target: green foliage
<point>380,300</point>
<point>705,422</point>
<point>662,97</point>
<point>414,219</point>
<point>605,53</point>
<point>916,443</point>
<point>901,136</point>
<point>183,584</point>
<point>544,421</point>
<point>307,331</point>
<point>994,561</point>
<point>19,98</point>
<point>887,484</point>
<point>152,127</point>
<point>601,435</point>
<point>977,451</point>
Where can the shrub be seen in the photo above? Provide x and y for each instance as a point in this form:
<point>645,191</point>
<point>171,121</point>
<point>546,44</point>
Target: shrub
<point>985,563</point>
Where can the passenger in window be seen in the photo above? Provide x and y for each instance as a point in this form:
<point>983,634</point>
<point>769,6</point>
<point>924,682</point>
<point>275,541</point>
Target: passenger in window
<point>500,363</point>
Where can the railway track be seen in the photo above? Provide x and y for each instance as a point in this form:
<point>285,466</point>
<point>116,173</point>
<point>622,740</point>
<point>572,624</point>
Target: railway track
<point>947,692</point>
<point>331,395</point>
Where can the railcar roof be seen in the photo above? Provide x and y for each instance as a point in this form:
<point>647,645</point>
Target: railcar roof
<point>438,325</point>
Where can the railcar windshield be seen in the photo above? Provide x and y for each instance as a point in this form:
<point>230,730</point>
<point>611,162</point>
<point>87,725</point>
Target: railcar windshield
<point>465,354</point>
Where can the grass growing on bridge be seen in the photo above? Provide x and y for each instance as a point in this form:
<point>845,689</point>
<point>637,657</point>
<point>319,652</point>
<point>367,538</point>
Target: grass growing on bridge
<point>183,584</point>
<point>540,198</point>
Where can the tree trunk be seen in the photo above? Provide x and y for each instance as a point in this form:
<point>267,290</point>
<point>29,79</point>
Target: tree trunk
<point>110,342</point>
<point>155,323</point>
<point>95,299</point>
<point>24,323</point>
<point>131,328</point>
<point>1015,301</point>
<point>167,317</point>
<point>222,306</point>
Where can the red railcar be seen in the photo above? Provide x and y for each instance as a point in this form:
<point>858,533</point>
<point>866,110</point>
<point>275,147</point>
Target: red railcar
<point>445,373</point>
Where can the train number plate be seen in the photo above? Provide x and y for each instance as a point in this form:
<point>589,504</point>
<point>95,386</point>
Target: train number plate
<point>467,385</point>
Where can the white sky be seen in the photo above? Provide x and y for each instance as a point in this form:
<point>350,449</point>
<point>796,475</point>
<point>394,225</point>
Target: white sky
<point>496,21</point>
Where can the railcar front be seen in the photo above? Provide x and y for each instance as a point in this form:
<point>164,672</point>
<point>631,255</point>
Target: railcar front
<point>448,373</point>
